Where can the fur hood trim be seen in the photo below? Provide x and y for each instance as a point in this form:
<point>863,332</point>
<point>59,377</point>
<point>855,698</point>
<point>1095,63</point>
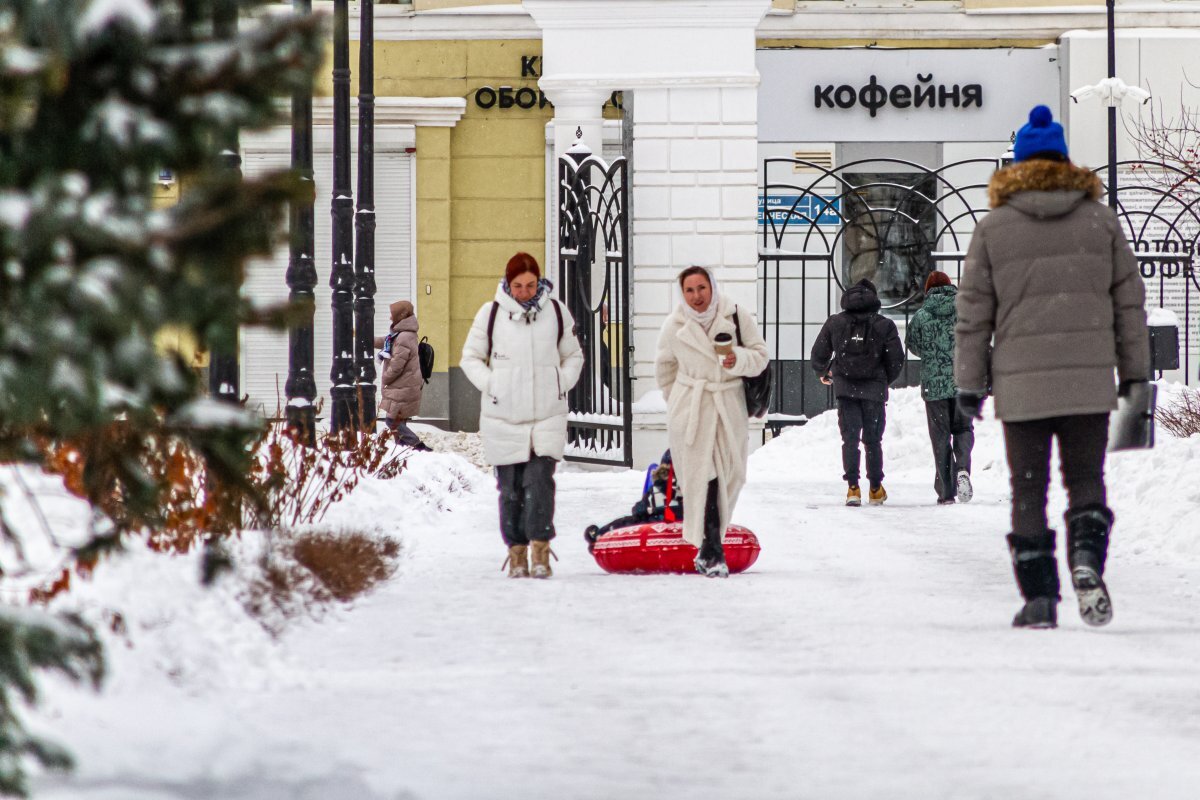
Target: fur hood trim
<point>1042,175</point>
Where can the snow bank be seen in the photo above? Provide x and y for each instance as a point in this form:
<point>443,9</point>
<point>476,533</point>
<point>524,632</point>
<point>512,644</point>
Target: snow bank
<point>156,618</point>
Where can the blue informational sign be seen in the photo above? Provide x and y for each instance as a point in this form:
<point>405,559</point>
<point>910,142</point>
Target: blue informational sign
<point>803,210</point>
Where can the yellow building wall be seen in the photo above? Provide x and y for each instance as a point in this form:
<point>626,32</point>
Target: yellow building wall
<point>480,185</point>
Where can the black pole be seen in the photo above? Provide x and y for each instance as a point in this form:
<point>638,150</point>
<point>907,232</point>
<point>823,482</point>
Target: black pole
<point>301,386</point>
<point>341,279</point>
<point>1112,110</point>
<point>223,377</point>
<point>364,221</point>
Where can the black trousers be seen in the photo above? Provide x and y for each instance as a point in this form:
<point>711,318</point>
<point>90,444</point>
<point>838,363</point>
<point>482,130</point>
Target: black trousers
<point>952,436</point>
<point>712,549</point>
<point>861,420</point>
<point>527,500</point>
<point>1082,439</point>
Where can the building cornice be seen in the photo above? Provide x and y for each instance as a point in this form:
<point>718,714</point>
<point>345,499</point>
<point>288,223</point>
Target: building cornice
<point>645,14</point>
<point>814,20</point>
<point>442,112</point>
<point>833,20</point>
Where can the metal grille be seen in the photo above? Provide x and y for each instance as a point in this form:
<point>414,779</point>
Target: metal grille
<point>823,229</point>
<point>593,237</point>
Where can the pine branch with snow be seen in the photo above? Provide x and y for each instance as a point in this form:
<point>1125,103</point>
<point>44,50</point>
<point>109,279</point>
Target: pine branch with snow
<point>97,97</point>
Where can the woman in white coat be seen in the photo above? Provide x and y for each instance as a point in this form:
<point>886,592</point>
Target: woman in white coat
<point>707,421</point>
<point>522,355</point>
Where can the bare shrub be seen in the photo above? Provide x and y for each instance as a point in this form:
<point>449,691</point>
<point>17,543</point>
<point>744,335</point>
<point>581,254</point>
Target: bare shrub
<point>303,573</point>
<point>1182,417</point>
<point>301,483</point>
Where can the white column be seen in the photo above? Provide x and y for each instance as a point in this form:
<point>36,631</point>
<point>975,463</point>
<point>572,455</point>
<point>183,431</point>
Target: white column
<point>694,198</point>
<point>578,114</point>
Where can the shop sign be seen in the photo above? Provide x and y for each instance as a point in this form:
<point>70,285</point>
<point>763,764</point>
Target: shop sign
<point>524,97</point>
<point>799,208</point>
<point>866,94</point>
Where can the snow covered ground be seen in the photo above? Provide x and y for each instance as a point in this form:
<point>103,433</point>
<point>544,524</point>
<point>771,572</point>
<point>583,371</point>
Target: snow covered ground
<point>867,654</point>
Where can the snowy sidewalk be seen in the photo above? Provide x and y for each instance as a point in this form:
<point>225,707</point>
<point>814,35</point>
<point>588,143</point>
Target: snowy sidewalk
<point>867,654</point>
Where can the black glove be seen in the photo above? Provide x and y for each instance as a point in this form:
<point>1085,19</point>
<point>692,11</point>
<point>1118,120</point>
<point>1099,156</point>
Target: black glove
<point>1124,388</point>
<point>970,404</point>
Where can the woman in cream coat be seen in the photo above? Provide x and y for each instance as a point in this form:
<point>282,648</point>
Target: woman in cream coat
<point>707,422</point>
<point>524,369</point>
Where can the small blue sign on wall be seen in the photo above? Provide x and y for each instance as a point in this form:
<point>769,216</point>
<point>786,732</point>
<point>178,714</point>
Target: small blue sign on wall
<point>803,209</point>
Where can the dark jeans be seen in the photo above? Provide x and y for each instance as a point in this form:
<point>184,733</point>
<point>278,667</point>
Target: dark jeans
<point>952,436</point>
<point>1082,439</point>
<point>527,500</point>
<point>404,434</point>
<point>861,420</point>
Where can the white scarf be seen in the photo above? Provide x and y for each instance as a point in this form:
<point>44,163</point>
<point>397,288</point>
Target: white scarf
<point>703,318</point>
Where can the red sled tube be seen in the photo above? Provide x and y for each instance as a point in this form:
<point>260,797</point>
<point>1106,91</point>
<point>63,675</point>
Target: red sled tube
<point>659,547</point>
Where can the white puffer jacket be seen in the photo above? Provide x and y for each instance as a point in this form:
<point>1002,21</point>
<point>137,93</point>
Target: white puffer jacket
<point>523,408</point>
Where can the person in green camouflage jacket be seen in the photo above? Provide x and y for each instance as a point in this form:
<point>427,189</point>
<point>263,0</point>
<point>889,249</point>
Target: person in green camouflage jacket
<point>930,337</point>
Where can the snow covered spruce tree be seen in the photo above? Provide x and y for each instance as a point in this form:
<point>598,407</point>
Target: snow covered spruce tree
<point>96,97</point>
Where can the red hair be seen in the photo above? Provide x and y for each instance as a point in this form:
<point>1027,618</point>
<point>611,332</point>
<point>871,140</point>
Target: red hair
<point>520,264</point>
<point>935,279</point>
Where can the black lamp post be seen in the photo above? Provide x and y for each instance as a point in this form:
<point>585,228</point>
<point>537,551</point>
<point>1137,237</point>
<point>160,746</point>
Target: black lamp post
<point>223,378</point>
<point>301,385</point>
<point>343,397</point>
<point>364,222</point>
<point>1112,109</point>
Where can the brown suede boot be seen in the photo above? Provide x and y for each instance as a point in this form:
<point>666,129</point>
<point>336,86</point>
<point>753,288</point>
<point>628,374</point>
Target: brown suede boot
<point>541,560</point>
<point>518,561</point>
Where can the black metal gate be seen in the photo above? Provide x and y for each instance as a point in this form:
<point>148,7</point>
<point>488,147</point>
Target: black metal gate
<point>593,274</point>
<point>822,229</point>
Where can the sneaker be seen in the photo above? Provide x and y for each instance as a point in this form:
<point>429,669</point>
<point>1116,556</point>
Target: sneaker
<point>949,501</point>
<point>877,495</point>
<point>854,496</point>
<point>965,490</point>
<point>1040,612</point>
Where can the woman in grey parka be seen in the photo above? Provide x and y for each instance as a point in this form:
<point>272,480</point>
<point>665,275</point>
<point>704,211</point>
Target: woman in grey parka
<point>1050,277</point>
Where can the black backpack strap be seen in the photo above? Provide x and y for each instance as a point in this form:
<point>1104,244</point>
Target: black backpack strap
<point>558,313</point>
<point>491,327</point>
<point>737,325</point>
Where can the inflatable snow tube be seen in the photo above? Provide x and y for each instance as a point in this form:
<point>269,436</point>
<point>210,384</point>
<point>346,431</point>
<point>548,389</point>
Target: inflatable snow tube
<point>660,547</point>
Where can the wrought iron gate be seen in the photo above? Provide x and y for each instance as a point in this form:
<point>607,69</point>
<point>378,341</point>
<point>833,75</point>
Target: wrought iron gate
<point>593,275</point>
<point>822,229</point>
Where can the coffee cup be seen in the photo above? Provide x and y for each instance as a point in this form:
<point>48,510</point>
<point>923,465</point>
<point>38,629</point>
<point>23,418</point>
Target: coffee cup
<point>723,344</point>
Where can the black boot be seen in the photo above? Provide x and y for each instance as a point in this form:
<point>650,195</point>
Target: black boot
<point>710,561</point>
<point>1087,550</point>
<point>1036,570</point>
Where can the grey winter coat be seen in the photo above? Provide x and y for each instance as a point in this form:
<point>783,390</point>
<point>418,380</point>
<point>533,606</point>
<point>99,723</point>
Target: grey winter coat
<point>1050,276</point>
<point>401,375</point>
<point>859,301</point>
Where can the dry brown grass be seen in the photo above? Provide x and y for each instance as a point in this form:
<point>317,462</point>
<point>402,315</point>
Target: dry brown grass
<point>1182,417</point>
<point>305,572</point>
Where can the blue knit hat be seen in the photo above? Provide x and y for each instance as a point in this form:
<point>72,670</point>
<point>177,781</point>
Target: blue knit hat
<point>1040,135</point>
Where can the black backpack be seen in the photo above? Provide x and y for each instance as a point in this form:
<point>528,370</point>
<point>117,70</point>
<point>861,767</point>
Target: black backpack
<point>425,357</point>
<point>855,358</point>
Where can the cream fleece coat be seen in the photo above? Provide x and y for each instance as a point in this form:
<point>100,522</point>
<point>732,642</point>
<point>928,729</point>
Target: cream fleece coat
<point>707,423</point>
<point>524,380</point>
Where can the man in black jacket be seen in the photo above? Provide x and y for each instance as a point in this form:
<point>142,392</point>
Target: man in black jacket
<point>861,351</point>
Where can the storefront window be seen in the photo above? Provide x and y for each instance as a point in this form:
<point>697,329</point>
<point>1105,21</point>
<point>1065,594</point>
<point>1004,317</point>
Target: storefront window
<point>889,234</point>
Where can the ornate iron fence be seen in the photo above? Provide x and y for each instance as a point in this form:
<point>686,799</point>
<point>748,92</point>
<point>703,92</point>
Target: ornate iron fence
<point>893,221</point>
<point>593,253</point>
